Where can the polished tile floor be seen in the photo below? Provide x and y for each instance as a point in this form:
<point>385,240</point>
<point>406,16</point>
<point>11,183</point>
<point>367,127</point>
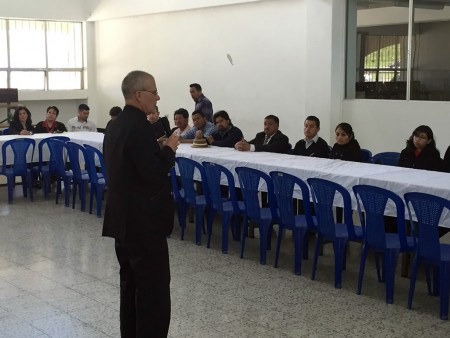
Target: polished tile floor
<point>59,278</point>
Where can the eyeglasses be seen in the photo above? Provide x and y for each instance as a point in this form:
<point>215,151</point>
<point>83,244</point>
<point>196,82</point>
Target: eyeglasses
<point>154,92</point>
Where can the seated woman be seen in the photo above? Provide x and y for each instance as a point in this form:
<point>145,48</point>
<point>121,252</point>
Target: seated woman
<point>420,151</point>
<point>346,147</point>
<point>50,125</point>
<point>21,122</point>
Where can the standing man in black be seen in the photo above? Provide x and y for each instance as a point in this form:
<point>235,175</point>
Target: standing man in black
<point>139,209</point>
<point>202,103</point>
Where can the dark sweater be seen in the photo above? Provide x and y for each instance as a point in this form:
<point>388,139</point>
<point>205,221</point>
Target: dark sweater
<point>228,138</point>
<point>317,149</point>
<point>429,159</point>
<point>347,152</point>
<point>16,127</point>
<point>39,129</point>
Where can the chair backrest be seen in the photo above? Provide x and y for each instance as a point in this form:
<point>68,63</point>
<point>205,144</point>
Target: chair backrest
<point>44,142</point>
<point>91,153</point>
<point>284,185</point>
<point>74,156</point>
<point>249,180</point>
<point>214,173</point>
<point>428,209</point>
<point>20,148</point>
<point>5,131</point>
<point>323,193</point>
<point>386,158</point>
<point>187,168</point>
<point>59,152</point>
<point>366,155</point>
<point>374,200</point>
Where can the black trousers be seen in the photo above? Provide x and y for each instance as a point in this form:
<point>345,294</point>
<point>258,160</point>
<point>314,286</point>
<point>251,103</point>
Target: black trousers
<point>144,289</point>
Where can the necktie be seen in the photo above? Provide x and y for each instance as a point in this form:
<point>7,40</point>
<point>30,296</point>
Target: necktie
<point>266,139</point>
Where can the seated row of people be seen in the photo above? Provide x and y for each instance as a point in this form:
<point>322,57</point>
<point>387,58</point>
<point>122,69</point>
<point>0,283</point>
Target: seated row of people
<point>21,123</point>
<point>420,151</point>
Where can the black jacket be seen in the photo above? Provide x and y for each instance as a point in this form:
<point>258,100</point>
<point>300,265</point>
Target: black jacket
<point>347,152</point>
<point>39,128</point>
<point>429,159</point>
<point>227,139</point>
<point>16,127</point>
<point>139,204</point>
<point>317,149</point>
<point>161,127</point>
<point>279,143</point>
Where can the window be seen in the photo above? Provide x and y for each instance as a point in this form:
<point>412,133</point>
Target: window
<point>41,55</point>
<point>377,50</point>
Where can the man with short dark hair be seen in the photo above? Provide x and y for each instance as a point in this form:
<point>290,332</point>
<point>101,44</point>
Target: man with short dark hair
<point>80,122</point>
<point>312,145</point>
<point>202,103</point>
<point>181,120</point>
<point>139,209</point>
<point>227,134</point>
<point>201,128</point>
<point>270,140</point>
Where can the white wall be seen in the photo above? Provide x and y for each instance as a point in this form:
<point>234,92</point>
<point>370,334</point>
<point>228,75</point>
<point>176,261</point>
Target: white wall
<point>44,9</point>
<point>266,41</point>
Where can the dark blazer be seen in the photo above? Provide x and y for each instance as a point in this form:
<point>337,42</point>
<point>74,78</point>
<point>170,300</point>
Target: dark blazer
<point>139,204</point>
<point>279,143</point>
<point>317,149</point>
<point>429,159</point>
<point>39,128</point>
<point>347,152</point>
<point>227,139</point>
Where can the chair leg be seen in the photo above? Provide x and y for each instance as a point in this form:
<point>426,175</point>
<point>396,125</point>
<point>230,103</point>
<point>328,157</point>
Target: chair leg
<point>263,238</point>
<point>379,267</point>
<point>226,218</point>
<point>362,266</point>
<point>316,255</point>
<point>428,279</point>
<point>67,191</point>
<point>412,281</point>
<point>244,235</point>
<point>436,281</point>
<point>199,224</point>
<point>83,195</point>
<point>181,210</point>
<point>74,193</point>
<point>390,263</point>
<point>277,249</point>
<point>339,252</point>
<point>91,197</point>
<point>99,194</point>
<point>444,289</point>
<point>209,225</point>
<point>30,185</point>
<point>10,182</point>
<point>299,236</point>
<point>24,185</point>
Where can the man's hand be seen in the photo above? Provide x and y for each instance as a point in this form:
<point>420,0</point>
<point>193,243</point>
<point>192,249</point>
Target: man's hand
<point>199,134</point>
<point>172,141</point>
<point>242,145</point>
<point>210,139</point>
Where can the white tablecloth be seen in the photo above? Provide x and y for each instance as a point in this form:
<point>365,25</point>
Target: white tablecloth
<point>82,137</point>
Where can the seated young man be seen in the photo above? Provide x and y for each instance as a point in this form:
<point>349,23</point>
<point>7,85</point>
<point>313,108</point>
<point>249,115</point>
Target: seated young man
<point>201,128</point>
<point>227,134</point>
<point>312,145</point>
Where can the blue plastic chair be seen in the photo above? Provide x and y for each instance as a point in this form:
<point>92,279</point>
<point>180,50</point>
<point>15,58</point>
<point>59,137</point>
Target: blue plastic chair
<point>284,185</point>
<point>249,180</point>
<point>323,192</point>
<point>366,155</point>
<point>98,180</point>
<point>428,209</point>
<point>46,169</point>
<point>386,158</point>
<point>80,176</point>
<point>5,131</point>
<point>197,200</point>
<point>59,152</point>
<point>20,147</point>
<point>229,207</point>
<point>374,201</point>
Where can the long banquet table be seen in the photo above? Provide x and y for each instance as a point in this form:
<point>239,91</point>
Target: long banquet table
<point>82,137</point>
<point>397,179</point>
